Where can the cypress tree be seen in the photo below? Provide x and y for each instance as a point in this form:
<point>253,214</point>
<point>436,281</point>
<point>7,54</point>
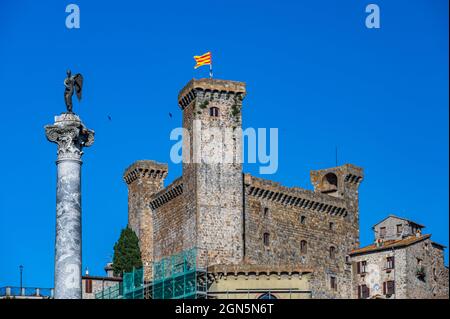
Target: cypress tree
<point>127,254</point>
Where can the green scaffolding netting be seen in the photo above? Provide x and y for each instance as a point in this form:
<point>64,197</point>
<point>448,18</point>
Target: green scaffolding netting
<point>178,277</point>
<point>131,287</point>
<point>174,277</point>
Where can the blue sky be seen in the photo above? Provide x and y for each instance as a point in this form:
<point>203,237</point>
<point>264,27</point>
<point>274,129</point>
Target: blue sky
<point>312,69</point>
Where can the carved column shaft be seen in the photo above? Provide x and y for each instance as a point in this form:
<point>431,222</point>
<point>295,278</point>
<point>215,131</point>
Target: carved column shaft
<point>69,133</point>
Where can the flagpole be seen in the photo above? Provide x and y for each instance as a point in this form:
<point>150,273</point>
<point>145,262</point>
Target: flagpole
<point>210,70</point>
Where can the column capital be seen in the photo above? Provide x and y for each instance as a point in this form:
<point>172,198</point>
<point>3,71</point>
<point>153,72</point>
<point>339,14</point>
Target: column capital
<point>71,136</point>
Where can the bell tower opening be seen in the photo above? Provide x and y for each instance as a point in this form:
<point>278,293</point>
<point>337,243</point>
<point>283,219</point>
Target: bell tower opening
<point>329,183</point>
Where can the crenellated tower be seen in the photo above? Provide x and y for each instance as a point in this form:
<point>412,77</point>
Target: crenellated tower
<point>342,182</point>
<point>212,167</point>
<point>144,178</point>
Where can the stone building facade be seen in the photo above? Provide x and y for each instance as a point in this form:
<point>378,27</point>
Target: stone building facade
<point>238,220</point>
<point>254,282</point>
<point>393,227</point>
<point>407,265</point>
<point>91,285</point>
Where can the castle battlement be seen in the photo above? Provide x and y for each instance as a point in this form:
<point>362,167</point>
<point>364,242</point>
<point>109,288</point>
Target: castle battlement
<point>145,169</point>
<point>225,87</point>
<point>167,194</point>
<point>294,196</point>
<point>239,221</point>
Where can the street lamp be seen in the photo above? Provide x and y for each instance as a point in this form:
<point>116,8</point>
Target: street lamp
<point>21,271</point>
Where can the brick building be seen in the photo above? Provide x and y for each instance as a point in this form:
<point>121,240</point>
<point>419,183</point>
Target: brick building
<point>244,227</point>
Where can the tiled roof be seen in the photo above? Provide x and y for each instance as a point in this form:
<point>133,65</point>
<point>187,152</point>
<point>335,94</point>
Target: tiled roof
<point>389,244</point>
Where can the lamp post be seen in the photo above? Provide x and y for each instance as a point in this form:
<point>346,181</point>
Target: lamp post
<point>21,272</point>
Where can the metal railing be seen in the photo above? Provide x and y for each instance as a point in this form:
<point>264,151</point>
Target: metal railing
<point>13,292</point>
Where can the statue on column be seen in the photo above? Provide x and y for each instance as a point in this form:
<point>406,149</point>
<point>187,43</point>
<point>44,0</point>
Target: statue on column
<point>71,136</point>
<point>72,83</point>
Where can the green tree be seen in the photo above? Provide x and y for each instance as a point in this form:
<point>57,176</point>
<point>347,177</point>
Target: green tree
<point>127,254</point>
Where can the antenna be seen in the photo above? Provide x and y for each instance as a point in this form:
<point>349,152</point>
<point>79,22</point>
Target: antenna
<point>336,155</point>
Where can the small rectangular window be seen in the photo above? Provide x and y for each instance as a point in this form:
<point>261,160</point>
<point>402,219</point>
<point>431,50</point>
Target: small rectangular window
<point>389,287</point>
<point>266,239</point>
<point>331,225</point>
<point>214,111</point>
<point>382,232</point>
<point>363,292</point>
<point>399,229</point>
<point>390,264</point>
<point>333,283</point>
<point>363,267</point>
<point>88,287</point>
<point>302,220</point>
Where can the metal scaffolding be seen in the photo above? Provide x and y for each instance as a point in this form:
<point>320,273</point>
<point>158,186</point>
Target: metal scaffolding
<point>131,287</point>
<point>178,277</point>
<point>174,277</point>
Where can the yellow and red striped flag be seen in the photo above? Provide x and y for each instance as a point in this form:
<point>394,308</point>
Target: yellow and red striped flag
<point>204,59</point>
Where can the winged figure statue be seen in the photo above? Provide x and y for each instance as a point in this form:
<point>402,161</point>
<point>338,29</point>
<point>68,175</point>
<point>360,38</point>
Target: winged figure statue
<point>72,83</point>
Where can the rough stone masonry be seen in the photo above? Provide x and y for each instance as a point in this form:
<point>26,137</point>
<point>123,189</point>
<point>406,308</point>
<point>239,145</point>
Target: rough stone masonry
<point>226,214</point>
<point>237,220</point>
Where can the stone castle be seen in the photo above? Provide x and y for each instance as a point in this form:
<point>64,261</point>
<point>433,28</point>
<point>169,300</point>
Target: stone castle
<point>244,227</point>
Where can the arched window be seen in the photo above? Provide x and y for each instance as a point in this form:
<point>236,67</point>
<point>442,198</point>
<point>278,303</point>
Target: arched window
<point>332,252</point>
<point>303,247</point>
<point>331,179</point>
<point>266,239</point>
<point>214,111</point>
<point>302,220</point>
<point>267,295</point>
<point>329,183</point>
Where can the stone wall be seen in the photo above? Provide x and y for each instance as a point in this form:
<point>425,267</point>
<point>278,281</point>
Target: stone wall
<point>435,283</point>
<point>249,282</point>
<point>293,215</point>
<point>376,273</point>
<point>404,274</point>
<point>395,228</point>
<point>170,221</point>
<point>144,178</point>
<point>213,181</point>
<point>98,284</point>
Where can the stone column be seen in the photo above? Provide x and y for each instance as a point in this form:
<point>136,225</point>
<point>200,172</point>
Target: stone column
<point>71,136</point>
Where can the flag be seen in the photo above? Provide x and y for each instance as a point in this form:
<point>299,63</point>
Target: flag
<point>204,59</point>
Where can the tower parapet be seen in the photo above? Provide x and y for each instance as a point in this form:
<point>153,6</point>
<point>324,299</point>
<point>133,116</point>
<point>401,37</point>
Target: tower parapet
<point>342,182</point>
<point>154,172</point>
<point>215,88</point>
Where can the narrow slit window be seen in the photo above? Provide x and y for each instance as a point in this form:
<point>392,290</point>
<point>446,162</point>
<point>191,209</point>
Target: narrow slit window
<point>266,239</point>
<point>303,247</point>
<point>332,252</point>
